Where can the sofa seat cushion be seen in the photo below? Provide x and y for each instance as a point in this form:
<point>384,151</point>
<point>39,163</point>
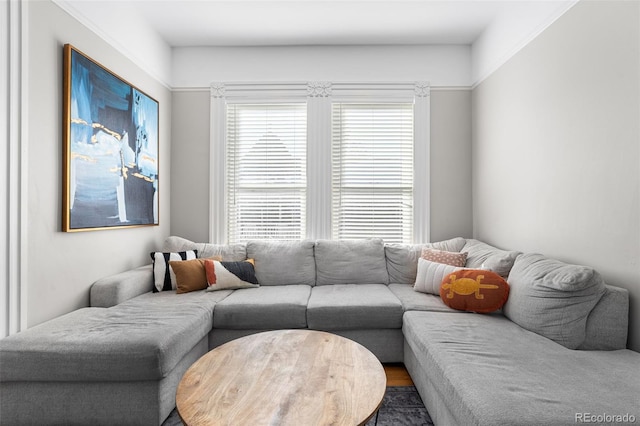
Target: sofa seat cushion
<point>168,299</point>
<point>142,339</point>
<point>416,301</point>
<point>486,379</point>
<point>264,308</point>
<point>353,306</point>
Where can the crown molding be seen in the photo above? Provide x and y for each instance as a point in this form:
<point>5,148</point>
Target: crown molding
<point>502,59</point>
<point>121,48</point>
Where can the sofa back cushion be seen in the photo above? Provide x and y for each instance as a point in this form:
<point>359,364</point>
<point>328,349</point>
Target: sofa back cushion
<point>283,262</point>
<point>553,298</point>
<point>350,262</point>
<point>402,259</point>
<point>485,256</point>
<point>228,253</point>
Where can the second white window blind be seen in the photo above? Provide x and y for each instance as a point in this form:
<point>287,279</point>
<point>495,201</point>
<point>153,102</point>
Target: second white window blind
<point>372,171</point>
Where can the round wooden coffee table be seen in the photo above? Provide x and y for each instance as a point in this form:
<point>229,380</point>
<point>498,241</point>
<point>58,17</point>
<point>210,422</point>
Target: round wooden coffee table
<point>284,377</point>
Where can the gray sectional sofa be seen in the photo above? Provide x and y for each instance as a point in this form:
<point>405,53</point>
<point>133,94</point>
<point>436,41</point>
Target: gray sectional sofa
<point>554,355</point>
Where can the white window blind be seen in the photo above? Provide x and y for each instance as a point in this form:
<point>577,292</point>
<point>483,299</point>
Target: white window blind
<point>372,171</point>
<point>266,171</point>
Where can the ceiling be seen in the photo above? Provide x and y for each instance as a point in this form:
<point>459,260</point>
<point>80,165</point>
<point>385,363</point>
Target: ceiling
<point>310,22</point>
<point>153,33</point>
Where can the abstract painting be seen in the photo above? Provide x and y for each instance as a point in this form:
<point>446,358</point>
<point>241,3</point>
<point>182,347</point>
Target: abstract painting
<point>110,132</point>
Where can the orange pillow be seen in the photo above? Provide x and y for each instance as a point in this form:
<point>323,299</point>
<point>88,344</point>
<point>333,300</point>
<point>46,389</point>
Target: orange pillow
<point>190,274</point>
<point>474,290</point>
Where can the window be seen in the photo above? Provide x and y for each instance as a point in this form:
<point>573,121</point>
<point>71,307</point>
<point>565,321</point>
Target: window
<point>266,171</point>
<point>319,160</point>
<point>372,171</point>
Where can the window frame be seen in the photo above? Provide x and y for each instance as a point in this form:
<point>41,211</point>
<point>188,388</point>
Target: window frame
<point>319,97</point>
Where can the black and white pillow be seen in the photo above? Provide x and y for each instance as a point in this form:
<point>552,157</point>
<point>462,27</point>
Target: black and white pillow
<point>164,278</point>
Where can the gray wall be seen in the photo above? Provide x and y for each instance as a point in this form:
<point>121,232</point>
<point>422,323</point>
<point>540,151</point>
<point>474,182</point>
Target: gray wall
<point>190,165</point>
<point>62,266</point>
<point>450,164</point>
<point>556,146</point>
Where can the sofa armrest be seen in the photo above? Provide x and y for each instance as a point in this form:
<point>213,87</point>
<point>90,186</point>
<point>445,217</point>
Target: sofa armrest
<point>608,322</point>
<point>114,289</point>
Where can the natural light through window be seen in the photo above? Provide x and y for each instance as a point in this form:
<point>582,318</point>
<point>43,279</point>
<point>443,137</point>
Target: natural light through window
<point>266,171</point>
<point>319,160</point>
<point>372,171</point>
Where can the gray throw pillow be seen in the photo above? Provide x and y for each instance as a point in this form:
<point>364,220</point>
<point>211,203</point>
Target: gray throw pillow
<point>553,298</point>
<point>484,256</point>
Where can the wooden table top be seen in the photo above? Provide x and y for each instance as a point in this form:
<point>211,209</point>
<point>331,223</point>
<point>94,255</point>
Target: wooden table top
<point>284,377</point>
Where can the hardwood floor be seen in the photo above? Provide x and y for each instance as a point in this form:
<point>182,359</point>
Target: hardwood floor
<point>397,375</point>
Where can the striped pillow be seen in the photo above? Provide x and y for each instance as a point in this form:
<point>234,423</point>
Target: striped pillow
<point>164,279</point>
<point>430,276</point>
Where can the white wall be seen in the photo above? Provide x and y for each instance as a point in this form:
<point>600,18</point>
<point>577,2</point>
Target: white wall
<point>447,68</point>
<point>440,65</point>
<point>450,164</point>
<point>62,266</point>
<point>556,146</point>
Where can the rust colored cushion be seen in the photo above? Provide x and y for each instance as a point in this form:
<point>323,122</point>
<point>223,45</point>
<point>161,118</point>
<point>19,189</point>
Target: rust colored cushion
<point>190,274</point>
<point>474,290</point>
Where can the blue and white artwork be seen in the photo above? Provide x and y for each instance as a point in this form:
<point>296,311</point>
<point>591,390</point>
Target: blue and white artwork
<point>112,147</point>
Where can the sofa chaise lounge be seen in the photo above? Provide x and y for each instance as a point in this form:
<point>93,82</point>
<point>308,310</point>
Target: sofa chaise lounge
<point>555,353</point>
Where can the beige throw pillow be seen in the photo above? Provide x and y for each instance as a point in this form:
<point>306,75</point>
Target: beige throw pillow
<point>230,275</point>
<point>447,257</point>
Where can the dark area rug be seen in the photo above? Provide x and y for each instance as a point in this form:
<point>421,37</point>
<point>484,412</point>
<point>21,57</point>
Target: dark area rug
<point>401,406</point>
